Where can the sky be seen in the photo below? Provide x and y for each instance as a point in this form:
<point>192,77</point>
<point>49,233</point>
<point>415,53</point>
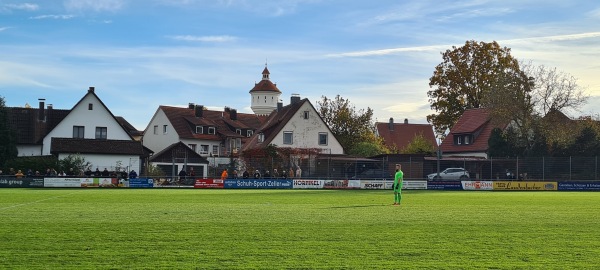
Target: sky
<point>140,54</point>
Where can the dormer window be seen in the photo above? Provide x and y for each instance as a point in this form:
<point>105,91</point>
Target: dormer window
<point>238,131</point>
<point>459,140</point>
<point>211,130</point>
<point>306,114</point>
<point>261,137</point>
<point>249,133</point>
<point>199,130</point>
<point>467,139</point>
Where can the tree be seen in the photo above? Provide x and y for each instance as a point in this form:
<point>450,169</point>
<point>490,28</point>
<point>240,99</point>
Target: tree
<point>75,162</point>
<point>554,90</point>
<point>8,144</point>
<point>348,125</point>
<point>466,75</point>
<point>419,145</point>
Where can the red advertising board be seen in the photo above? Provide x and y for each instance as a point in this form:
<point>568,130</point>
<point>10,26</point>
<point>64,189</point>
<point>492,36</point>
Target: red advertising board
<point>208,183</point>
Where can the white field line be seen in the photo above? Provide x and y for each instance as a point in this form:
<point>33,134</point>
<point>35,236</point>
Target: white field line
<point>38,201</point>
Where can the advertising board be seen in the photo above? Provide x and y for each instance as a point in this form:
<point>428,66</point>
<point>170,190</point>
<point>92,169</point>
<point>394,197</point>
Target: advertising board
<point>525,185</point>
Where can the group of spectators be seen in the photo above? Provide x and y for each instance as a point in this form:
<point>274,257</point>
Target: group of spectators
<point>266,175</point>
<point>51,172</point>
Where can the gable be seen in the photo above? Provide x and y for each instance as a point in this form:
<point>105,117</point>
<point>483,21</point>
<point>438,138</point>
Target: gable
<point>471,133</point>
<point>178,153</point>
<point>302,121</point>
<point>91,114</point>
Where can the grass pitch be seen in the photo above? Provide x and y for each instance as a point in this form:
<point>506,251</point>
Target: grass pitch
<point>297,229</point>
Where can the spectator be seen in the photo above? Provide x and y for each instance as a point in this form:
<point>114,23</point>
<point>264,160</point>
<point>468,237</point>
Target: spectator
<point>105,173</point>
<point>192,173</point>
<point>298,172</point>
<point>132,174</point>
<point>88,172</point>
<point>224,175</point>
<point>97,173</point>
<point>19,174</point>
<point>256,174</point>
<point>182,174</point>
<point>267,175</point>
<point>283,174</point>
<point>275,173</point>
<point>29,173</point>
<point>291,172</point>
<point>235,174</point>
<point>245,175</point>
<point>71,172</point>
<point>62,173</point>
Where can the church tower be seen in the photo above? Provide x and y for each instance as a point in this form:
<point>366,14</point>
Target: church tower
<point>265,95</point>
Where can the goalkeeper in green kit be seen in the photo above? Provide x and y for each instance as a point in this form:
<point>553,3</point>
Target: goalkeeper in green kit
<point>397,187</point>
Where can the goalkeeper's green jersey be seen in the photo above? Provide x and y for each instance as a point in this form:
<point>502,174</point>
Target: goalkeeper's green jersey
<point>398,179</point>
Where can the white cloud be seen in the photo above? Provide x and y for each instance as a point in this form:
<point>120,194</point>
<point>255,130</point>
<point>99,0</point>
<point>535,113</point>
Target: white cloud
<point>23,6</point>
<point>57,17</point>
<point>204,38</point>
<point>94,5</point>
<point>4,28</point>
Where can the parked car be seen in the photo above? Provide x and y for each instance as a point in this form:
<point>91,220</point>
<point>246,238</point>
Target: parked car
<point>450,174</point>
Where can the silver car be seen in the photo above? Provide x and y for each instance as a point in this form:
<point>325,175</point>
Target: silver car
<point>450,174</point>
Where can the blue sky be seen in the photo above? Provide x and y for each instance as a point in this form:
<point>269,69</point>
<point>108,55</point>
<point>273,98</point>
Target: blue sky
<point>140,54</point>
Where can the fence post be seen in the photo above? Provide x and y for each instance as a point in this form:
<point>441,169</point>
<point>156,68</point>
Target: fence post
<point>543,168</point>
<point>517,168</point>
<point>491,168</point>
<point>570,165</point>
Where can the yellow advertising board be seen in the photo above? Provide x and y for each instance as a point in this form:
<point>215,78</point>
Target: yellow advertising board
<point>524,185</point>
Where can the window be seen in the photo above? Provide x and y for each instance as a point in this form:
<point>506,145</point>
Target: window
<point>215,150</point>
<point>459,140</point>
<point>467,139</point>
<point>101,133</point>
<point>90,106</point>
<point>322,138</point>
<point>288,137</point>
<point>204,149</point>
<point>238,131</point>
<point>193,146</point>
<point>249,133</point>
<point>78,132</point>
<point>211,130</point>
<point>199,130</point>
<point>261,137</point>
<point>164,129</point>
<point>156,130</point>
<point>306,114</point>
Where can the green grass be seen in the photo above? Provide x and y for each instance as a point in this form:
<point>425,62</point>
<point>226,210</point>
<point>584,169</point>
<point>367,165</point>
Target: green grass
<point>297,229</point>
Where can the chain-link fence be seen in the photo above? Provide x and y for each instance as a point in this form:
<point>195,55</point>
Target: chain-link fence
<point>419,167</point>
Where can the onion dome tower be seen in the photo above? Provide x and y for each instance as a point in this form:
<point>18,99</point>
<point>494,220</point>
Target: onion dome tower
<point>265,95</point>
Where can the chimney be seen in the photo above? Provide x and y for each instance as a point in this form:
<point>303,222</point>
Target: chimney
<point>295,99</point>
<point>391,124</point>
<point>41,112</point>
<point>233,114</point>
<point>91,89</point>
<point>227,109</point>
<point>279,106</point>
<point>406,121</point>
<point>191,106</point>
<point>199,110</point>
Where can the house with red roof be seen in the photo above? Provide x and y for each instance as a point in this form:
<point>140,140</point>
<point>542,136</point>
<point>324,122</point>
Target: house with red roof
<point>214,135</point>
<point>469,136</point>
<point>89,129</point>
<point>399,135</point>
<point>220,136</point>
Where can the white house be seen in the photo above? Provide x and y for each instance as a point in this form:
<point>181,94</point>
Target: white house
<point>88,129</point>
